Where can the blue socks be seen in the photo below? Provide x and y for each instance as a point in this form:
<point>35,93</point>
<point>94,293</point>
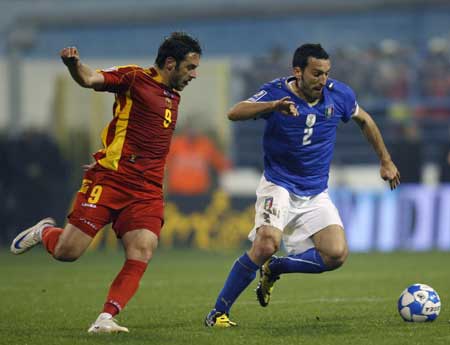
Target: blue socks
<point>244,271</point>
<point>241,275</point>
<point>306,262</point>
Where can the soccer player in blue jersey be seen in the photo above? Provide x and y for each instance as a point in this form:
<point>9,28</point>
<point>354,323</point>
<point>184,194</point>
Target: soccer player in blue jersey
<point>302,113</point>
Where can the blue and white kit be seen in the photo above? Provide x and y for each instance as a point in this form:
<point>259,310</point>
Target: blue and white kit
<point>292,195</point>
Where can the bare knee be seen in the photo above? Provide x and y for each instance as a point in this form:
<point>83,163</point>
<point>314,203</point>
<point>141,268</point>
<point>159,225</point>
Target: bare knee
<point>140,244</point>
<point>335,257</point>
<point>266,243</point>
<point>332,246</point>
<point>140,253</point>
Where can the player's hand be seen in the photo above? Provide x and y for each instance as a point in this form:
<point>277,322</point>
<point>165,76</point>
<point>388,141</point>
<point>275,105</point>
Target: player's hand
<point>286,106</point>
<point>70,56</point>
<point>87,167</point>
<point>389,172</point>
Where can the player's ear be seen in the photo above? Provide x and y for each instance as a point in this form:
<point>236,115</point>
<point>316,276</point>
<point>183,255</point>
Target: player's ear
<point>297,72</point>
<point>171,64</point>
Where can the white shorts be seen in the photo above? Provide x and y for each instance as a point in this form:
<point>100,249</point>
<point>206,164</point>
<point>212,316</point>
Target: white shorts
<point>297,217</point>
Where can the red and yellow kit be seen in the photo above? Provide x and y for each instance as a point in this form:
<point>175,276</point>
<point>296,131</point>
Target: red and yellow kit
<point>125,186</point>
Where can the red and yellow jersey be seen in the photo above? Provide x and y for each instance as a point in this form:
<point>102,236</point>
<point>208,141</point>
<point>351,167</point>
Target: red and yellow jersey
<point>137,140</point>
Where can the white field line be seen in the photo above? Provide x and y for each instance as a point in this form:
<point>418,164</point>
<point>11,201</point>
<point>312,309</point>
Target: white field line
<point>327,300</point>
<point>335,300</point>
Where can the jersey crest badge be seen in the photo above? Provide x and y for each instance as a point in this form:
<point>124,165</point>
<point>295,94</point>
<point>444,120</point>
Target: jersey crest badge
<point>329,110</point>
<point>311,120</point>
<point>168,103</point>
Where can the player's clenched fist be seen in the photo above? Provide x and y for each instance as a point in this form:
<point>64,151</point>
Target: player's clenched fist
<point>286,106</point>
<point>70,56</point>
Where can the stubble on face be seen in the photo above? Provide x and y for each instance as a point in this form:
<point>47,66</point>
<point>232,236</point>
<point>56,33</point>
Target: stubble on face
<point>185,71</point>
<point>313,78</point>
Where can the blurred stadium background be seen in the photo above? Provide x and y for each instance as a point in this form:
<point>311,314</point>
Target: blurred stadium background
<point>394,53</point>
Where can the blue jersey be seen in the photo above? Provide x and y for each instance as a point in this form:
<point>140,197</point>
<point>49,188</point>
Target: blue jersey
<point>298,149</point>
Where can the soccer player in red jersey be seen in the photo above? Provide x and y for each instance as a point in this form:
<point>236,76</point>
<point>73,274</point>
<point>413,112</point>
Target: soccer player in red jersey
<point>124,186</point>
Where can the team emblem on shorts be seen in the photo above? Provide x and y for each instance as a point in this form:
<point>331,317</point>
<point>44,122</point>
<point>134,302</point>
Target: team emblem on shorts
<point>268,202</point>
<point>268,207</point>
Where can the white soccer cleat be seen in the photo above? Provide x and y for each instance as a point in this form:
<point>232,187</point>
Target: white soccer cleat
<point>106,325</point>
<point>28,238</point>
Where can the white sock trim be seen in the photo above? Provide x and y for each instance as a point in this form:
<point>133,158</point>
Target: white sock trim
<point>104,316</point>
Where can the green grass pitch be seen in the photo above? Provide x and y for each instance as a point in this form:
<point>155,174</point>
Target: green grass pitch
<point>48,302</point>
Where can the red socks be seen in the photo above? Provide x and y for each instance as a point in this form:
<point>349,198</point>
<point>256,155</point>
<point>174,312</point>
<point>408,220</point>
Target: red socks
<point>124,286</point>
<point>50,236</point>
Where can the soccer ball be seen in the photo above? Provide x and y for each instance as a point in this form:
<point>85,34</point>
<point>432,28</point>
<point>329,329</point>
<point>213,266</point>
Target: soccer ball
<point>419,303</point>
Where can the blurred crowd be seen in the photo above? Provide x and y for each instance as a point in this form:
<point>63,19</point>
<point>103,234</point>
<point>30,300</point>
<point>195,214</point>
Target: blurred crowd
<point>387,72</point>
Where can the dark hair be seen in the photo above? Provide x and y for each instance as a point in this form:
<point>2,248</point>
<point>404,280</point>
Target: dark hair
<point>305,51</point>
<point>177,45</point>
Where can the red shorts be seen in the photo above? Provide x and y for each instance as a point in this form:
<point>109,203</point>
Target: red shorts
<point>104,198</point>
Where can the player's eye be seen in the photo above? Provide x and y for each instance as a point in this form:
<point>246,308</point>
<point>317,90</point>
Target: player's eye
<point>318,75</point>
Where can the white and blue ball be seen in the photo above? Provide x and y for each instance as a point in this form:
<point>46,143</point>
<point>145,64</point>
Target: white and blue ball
<point>419,303</point>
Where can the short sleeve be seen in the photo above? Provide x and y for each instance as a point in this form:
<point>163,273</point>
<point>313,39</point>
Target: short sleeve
<point>117,80</point>
<point>350,104</point>
<point>263,95</point>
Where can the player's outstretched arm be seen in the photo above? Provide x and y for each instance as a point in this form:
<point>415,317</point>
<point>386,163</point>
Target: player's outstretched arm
<point>246,110</point>
<point>81,73</point>
<point>388,170</point>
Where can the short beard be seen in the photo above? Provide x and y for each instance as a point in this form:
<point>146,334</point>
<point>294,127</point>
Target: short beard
<point>307,95</point>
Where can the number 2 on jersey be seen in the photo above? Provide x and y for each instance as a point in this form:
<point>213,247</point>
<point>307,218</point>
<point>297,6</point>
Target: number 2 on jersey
<point>307,136</point>
<point>308,131</point>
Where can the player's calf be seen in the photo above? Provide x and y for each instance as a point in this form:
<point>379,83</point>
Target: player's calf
<point>65,254</point>
<point>67,245</point>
